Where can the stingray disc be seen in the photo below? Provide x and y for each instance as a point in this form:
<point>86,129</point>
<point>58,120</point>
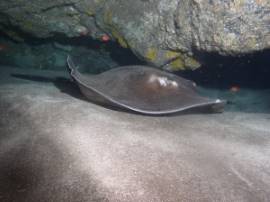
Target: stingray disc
<point>142,89</point>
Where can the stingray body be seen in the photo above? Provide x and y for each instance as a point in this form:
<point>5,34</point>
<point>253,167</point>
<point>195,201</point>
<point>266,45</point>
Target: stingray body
<point>143,89</point>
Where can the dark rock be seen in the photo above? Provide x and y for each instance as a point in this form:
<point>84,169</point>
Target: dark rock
<point>158,31</point>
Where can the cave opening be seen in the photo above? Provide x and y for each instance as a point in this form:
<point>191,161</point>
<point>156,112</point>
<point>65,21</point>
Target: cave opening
<point>246,71</point>
<point>217,71</point>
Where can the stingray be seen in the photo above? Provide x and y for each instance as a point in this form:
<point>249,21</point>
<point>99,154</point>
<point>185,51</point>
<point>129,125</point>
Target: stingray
<point>143,89</point>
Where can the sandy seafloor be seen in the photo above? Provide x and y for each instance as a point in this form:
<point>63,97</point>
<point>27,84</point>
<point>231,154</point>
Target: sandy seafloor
<point>54,146</point>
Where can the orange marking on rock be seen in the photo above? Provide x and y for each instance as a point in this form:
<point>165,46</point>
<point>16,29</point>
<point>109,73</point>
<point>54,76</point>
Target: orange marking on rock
<point>105,38</point>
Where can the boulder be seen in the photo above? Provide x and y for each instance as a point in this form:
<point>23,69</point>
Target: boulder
<point>164,33</point>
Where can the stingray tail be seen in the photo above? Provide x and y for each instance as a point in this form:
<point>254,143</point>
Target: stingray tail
<point>72,67</point>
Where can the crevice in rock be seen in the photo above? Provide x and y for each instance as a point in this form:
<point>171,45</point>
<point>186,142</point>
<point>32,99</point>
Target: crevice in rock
<point>247,71</point>
<point>58,6</point>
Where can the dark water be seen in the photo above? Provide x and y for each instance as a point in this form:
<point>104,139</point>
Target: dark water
<point>243,81</point>
<point>247,71</point>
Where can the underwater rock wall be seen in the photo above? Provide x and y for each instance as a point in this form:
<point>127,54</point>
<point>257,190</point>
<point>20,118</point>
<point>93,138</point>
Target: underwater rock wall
<point>52,54</point>
<point>159,31</point>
